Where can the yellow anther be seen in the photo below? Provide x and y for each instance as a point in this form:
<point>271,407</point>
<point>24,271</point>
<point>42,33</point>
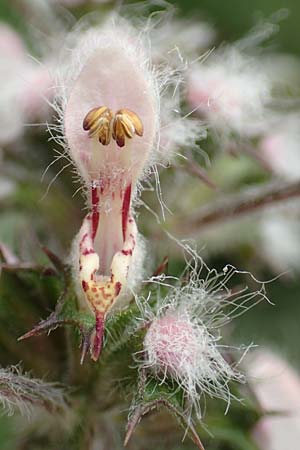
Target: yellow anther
<point>102,123</point>
<point>98,123</point>
<point>126,124</point>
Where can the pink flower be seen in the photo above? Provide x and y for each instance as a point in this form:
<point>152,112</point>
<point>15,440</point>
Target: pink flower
<point>110,116</point>
<point>277,387</point>
<point>25,86</point>
<point>112,124</point>
<point>280,147</point>
<point>230,91</point>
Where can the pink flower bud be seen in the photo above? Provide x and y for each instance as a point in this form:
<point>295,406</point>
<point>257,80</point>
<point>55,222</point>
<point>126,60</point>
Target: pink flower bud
<point>183,341</point>
<point>179,345</point>
<point>112,72</point>
<point>172,344</point>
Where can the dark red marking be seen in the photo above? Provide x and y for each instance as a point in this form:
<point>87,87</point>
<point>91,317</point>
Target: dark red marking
<point>95,212</point>
<point>94,289</point>
<point>125,209</point>
<point>127,252</point>
<point>84,285</point>
<point>104,294</point>
<point>118,288</point>
<point>88,251</point>
<point>98,338</point>
<point>83,239</point>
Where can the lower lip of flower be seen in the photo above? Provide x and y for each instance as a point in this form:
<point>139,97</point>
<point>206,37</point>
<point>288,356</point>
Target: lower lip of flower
<point>103,274</point>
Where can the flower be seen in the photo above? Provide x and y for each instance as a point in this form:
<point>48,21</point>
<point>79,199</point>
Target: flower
<point>111,124</point>
<point>230,91</point>
<point>279,235</point>
<point>280,148</point>
<point>109,109</point>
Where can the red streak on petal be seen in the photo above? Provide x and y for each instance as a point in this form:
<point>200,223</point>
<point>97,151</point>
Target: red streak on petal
<point>84,285</point>
<point>125,209</point>
<point>98,339</point>
<point>82,240</point>
<point>95,212</point>
<point>127,252</point>
<point>118,288</point>
<point>88,251</point>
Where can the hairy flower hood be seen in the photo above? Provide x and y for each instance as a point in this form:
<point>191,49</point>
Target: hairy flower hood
<point>109,67</point>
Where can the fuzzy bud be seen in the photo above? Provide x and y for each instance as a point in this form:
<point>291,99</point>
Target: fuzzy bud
<point>182,338</point>
<point>173,344</point>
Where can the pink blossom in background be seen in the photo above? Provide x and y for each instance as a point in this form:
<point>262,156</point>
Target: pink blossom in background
<point>277,386</point>
<point>280,147</point>
<point>25,86</point>
<point>11,43</point>
<point>229,91</point>
<point>279,245</point>
<point>181,38</point>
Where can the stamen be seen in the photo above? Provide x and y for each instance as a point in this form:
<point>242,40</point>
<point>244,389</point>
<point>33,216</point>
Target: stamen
<point>102,123</point>
<point>126,124</point>
<point>98,123</point>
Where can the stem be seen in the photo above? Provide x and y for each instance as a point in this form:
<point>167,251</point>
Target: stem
<point>193,168</point>
<point>232,206</point>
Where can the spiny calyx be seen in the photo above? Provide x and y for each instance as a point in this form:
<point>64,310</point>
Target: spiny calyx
<point>102,123</point>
